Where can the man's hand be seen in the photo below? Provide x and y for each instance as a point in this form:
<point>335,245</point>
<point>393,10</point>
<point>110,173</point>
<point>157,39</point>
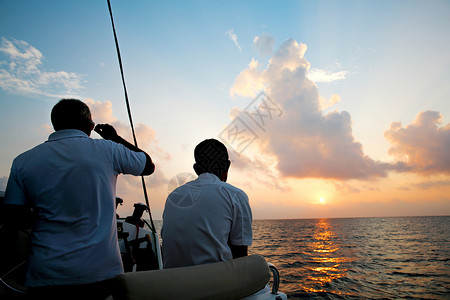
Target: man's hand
<point>106,131</point>
<point>239,251</point>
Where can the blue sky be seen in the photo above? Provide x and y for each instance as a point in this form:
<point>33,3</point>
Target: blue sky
<point>192,66</point>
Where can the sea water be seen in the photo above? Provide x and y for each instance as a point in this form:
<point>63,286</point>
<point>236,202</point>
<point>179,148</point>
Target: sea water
<point>358,258</point>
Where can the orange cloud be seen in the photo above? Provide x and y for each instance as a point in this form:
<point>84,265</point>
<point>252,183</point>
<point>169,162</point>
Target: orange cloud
<point>248,82</point>
<point>423,145</point>
<point>102,112</point>
<point>306,142</point>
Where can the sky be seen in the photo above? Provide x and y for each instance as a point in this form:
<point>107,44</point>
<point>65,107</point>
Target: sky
<point>329,109</point>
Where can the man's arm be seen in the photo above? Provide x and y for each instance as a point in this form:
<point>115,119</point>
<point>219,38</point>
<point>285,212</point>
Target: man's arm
<point>239,251</point>
<point>108,132</point>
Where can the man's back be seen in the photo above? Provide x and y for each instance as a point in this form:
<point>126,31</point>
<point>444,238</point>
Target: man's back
<point>200,221</point>
<point>70,183</point>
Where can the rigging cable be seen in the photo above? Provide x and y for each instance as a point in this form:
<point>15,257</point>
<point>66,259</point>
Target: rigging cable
<point>129,112</point>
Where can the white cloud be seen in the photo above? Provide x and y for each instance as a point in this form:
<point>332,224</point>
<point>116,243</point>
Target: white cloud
<point>318,75</point>
<point>232,36</point>
<point>21,72</point>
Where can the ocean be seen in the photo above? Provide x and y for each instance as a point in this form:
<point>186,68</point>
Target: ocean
<point>358,258</point>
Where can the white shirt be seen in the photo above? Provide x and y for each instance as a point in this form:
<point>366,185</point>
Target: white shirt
<point>201,218</point>
<point>70,182</point>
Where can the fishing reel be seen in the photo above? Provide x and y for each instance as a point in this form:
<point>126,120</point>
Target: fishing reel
<point>137,244</point>
<point>136,217</point>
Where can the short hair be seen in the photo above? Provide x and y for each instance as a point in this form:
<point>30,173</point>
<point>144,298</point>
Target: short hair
<point>70,114</point>
<point>211,156</point>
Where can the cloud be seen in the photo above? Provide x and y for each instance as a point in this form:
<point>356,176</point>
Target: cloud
<point>232,36</point>
<point>318,75</point>
<point>102,112</point>
<point>432,184</point>
<point>326,103</point>
<point>305,142</point>
<point>423,145</point>
<point>264,44</point>
<point>21,72</point>
<point>248,82</point>
<point>346,188</point>
<point>259,164</point>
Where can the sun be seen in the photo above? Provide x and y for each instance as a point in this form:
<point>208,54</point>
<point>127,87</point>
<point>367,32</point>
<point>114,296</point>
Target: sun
<point>322,200</point>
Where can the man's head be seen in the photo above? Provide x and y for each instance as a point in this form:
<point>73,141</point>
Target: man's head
<point>211,156</point>
<point>72,114</point>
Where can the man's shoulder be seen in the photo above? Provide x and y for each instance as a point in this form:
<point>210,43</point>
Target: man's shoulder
<point>30,152</point>
<point>232,189</point>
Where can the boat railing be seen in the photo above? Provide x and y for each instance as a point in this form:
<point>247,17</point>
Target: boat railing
<point>276,278</point>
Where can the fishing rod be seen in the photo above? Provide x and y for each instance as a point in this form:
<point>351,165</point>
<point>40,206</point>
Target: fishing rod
<point>152,227</point>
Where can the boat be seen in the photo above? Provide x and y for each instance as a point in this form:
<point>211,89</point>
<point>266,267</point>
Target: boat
<point>145,278</point>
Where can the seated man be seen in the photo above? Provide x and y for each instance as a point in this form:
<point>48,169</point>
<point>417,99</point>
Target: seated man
<point>206,220</point>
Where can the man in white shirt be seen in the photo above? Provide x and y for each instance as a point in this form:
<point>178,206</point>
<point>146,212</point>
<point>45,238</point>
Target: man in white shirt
<point>69,183</point>
<point>206,220</point>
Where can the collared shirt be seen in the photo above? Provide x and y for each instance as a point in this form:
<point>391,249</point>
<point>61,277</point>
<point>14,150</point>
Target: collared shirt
<point>201,219</point>
<point>70,182</point>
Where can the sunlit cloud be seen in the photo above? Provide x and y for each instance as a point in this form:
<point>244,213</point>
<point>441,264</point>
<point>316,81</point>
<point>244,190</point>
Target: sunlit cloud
<point>345,188</point>
<point>249,82</point>
<point>102,112</point>
<point>21,72</point>
<point>263,165</point>
<point>306,142</point>
<point>325,103</point>
<point>318,75</point>
<point>432,184</point>
<point>422,145</point>
<point>232,36</point>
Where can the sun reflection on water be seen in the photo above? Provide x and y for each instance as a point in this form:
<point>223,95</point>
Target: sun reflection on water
<point>324,251</point>
<point>311,260</point>
<point>360,258</point>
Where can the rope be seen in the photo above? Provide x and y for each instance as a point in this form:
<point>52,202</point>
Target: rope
<point>153,228</point>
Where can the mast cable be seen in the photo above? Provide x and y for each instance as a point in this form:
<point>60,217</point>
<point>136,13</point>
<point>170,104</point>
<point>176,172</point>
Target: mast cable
<point>129,111</point>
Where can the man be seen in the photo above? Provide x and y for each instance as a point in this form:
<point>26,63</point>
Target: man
<point>69,182</point>
<point>206,220</point>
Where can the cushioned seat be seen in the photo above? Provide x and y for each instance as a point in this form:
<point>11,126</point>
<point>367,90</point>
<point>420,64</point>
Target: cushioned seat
<point>233,279</point>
